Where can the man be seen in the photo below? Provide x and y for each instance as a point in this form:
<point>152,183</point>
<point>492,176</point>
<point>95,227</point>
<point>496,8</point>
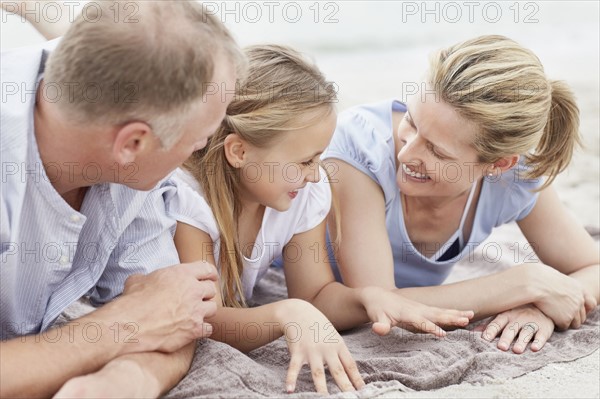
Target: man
<point>86,130</point>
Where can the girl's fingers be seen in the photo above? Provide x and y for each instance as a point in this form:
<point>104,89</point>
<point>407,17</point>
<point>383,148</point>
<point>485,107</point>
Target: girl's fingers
<point>493,329</point>
<point>338,372</point>
<point>427,326</point>
<point>446,317</point>
<point>528,331</point>
<point>381,328</point>
<point>468,314</point>
<point>383,325</point>
<point>351,368</point>
<point>318,375</point>
<point>508,335</point>
<point>292,374</point>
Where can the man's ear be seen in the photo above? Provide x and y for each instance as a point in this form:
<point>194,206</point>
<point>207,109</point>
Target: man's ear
<point>235,150</point>
<point>131,140</point>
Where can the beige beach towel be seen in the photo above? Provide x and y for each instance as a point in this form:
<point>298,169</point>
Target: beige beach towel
<point>400,361</point>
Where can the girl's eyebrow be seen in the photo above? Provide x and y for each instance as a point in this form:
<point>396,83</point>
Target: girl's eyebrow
<point>315,154</point>
<point>443,150</point>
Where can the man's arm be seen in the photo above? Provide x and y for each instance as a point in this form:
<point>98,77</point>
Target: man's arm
<point>162,311</point>
<point>140,375</point>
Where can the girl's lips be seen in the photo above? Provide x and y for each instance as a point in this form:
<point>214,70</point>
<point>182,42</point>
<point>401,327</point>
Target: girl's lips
<point>293,194</point>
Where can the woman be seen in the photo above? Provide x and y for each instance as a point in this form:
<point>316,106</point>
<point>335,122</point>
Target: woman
<point>419,185</point>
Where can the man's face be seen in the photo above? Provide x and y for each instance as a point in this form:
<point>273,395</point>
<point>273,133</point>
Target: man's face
<point>204,119</point>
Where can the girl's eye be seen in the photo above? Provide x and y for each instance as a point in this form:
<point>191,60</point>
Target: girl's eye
<point>308,163</point>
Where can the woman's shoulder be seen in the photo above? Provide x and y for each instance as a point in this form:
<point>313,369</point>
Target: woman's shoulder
<point>374,118</point>
<point>513,194</point>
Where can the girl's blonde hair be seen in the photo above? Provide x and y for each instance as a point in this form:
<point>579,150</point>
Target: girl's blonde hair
<point>501,87</point>
<point>280,90</point>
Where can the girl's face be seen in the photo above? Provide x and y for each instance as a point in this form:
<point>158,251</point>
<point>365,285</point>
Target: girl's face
<point>436,157</point>
<point>273,176</point>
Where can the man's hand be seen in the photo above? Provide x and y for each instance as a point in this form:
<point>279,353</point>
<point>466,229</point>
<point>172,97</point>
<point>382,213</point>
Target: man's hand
<point>168,306</point>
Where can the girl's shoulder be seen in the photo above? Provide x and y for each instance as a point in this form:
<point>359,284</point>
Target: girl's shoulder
<point>189,205</point>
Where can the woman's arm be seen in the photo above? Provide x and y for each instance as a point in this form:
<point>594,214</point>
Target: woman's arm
<point>560,242</point>
<point>365,257</point>
<point>364,254</point>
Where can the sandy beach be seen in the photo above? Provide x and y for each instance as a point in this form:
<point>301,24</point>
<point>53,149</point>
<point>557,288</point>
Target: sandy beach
<point>378,50</point>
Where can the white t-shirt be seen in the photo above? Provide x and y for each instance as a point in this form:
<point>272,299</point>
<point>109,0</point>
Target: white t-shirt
<point>308,210</point>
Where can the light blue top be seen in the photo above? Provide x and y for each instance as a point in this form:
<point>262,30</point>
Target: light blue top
<point>363,139</point>
<point>51,254</point>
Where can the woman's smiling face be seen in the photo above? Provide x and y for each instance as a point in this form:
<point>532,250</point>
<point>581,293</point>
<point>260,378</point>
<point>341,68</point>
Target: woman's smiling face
<point>436,157</point>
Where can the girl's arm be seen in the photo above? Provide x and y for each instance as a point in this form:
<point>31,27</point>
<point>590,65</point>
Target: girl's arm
<point>309,277</point>
<point>243,328</point>
<point>365,256</point>
<point>302,324</point>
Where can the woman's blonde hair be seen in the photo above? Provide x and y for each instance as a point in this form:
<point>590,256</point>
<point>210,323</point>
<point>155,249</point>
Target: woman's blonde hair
<point>501,87</point>
<point>280,90</point>
<point>148,61</point>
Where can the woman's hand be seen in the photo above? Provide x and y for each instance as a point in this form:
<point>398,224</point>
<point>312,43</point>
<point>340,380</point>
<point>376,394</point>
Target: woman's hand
<point>387,309</point>
<point>520,325</point>
<point>560,297</point>
<point>312,339</point>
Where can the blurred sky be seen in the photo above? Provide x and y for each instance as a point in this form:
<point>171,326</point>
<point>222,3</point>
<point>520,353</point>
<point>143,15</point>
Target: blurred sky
<point>373,50</point>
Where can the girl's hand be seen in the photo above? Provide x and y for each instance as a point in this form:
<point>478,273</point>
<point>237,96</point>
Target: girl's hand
<point>521,325</point>
<point>312,339</point>
<point>387,309</point>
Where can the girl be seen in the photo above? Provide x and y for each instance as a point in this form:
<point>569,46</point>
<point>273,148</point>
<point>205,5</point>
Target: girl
<point>254,193</point>
<point>421,184</point>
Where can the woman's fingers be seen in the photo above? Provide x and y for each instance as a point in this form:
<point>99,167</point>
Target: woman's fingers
<point>528,331</point>
<point>589,302</point>
<point>576,322</point>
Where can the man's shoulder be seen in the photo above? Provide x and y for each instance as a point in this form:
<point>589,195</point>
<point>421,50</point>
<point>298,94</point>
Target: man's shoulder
<point>19,71</point>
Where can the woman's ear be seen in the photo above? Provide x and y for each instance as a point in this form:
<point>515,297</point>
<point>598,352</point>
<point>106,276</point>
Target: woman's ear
<point>506,163</point>
<point>132,140</point>
<point>235,150</point>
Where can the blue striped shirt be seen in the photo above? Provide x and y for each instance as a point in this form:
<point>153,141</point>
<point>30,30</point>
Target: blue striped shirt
<point>51,254</point>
